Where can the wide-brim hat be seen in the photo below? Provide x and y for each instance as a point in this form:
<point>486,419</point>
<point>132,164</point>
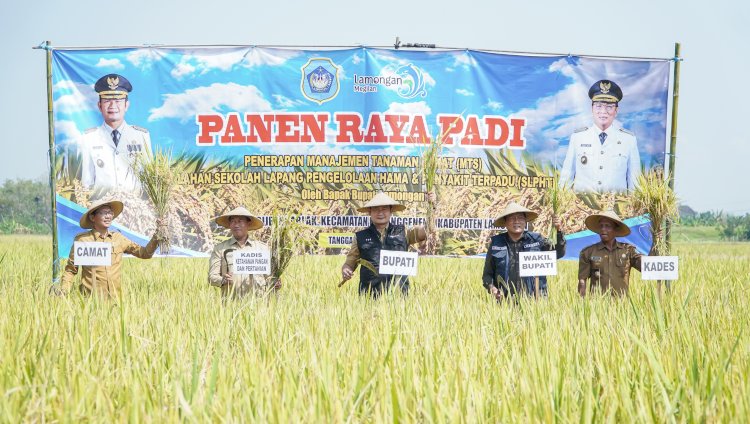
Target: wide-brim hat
<point>512,208</point>
<point>382,199</point>
<point>116,206</point>
<point>223,220</point>
<point>592,223</point>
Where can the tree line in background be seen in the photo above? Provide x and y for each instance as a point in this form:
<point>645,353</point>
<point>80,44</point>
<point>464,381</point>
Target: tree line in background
<point>25,209</point>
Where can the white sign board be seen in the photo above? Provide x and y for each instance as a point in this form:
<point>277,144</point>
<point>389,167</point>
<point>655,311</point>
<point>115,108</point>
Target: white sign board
<point>537,264</point>
<point>252,261</point>
<point>659,267</point>
<point>397,263</point>
<point>92,253</point>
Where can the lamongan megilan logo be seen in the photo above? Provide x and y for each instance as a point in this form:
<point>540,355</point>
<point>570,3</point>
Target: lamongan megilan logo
<point>320,80</point>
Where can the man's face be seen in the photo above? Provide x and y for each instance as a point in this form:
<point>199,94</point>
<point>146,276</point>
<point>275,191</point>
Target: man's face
<point>606,229</point>
<point>515,223</point>
<point>113,110</point>
<point>239,226</point>
<point>102,217</point>
<point>380,215</point>
<point>604,114</point>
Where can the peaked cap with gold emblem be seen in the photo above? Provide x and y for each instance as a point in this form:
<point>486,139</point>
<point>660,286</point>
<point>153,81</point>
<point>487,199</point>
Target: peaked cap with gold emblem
<point>605,91</point>
<point>113,86</point>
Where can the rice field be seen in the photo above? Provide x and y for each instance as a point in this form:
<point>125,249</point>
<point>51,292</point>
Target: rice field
<point>170,351</point>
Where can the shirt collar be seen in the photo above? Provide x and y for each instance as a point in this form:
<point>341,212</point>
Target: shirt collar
<point>107,129</point>
<point>97,237</point>
<point>602,246</point>
<point>234,241</point>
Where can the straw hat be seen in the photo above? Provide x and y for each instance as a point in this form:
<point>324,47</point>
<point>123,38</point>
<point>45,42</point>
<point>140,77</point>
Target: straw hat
<point>382,199</point>
<point>88,224</point>
<point>512,208</point>
<point>223,220</point>
<point>592,223</point>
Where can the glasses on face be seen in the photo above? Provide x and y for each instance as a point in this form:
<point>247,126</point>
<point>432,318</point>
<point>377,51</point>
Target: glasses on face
<point>105,213</point>
<point>609,107</point>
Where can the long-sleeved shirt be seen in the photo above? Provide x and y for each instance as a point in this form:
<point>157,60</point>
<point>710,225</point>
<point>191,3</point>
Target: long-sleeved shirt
<point>242,284</point>
<point>104,280</point>
<point>609,269</point>
<point>412,236</point>
<point>504,251</point>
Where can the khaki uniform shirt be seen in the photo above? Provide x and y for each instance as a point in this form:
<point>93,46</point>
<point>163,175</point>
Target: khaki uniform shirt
<point>104,280</point>
<point>242,284</point>
<point>412,236</point>
<point>609,269</point>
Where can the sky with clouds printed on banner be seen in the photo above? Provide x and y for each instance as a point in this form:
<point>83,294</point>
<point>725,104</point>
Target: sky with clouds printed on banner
<point>173,86</point>
<point>712,149</point>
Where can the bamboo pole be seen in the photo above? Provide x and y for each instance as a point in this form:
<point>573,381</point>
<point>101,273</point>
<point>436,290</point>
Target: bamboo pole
<point>673,145</point>
<point>52,161</point>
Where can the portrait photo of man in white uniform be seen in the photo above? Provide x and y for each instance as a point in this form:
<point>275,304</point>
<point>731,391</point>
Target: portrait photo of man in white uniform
<point>109,150</point>
<point>602,157</point>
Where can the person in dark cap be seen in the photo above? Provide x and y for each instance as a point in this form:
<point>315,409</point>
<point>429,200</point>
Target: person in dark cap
<point>108,150</point>
<point>602,157</point>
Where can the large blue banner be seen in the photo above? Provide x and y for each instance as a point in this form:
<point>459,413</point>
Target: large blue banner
<point>317,132</point>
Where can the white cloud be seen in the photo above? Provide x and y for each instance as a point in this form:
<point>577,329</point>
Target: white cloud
<point>182,69</point>
<point>76,98</point>
<point>235,97</point>
<point>414,108</point>
<point>357,59</point>
<point>493,105</point>
<point>66,132</point>
<point>464,92</point>
<point>143,58</point>
<point>284,102</point>
<point>110,63</point>
<point>201,61</point>
<point>464,59</point>
<point>269,57</point>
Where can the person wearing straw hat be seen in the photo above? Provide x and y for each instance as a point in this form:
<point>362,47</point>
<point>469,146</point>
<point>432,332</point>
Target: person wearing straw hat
<point>107,151</point>
<point>239,222</point>
<point>607,263</point>
<point>381,235</point>
<point>102,280</point>
<point>604,156</point>
<point>501,275</point>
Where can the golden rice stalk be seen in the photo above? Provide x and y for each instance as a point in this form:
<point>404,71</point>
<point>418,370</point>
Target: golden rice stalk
<point>652,195</point>
<point>559,199</point>
<point>365,263</point>
<point>284,241</point>
<point>429,166</point>
<point>158,180</point>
